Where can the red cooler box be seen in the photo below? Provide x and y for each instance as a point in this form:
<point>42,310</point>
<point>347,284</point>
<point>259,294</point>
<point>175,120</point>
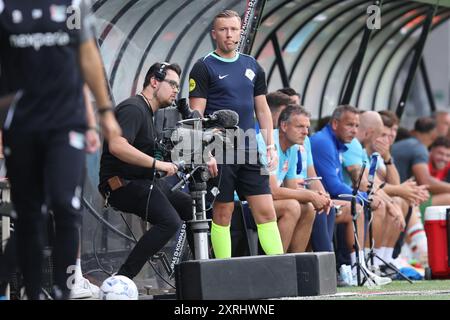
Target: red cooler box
<point>437,228</point>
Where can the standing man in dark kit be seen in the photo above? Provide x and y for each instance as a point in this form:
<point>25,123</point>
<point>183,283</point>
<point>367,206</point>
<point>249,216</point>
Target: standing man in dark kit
<point>226,79</point>
<point>44,62</point>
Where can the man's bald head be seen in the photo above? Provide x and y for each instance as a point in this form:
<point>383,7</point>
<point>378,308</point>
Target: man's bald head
<point>370,126</point>
<point>370,120</point>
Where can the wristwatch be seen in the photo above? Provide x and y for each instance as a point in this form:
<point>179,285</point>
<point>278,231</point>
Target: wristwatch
<point>389,162</point>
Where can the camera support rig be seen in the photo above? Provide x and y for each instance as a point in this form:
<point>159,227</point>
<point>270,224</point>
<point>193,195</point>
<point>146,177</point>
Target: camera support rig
<point>185,142</point>
<point>196,176</point>
<point>199,224</point>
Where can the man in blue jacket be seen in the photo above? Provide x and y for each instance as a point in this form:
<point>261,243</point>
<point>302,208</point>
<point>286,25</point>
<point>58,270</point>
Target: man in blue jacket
<point>327,147</point>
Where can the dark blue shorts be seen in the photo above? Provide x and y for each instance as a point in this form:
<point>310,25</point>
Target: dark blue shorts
<point>246,179</point>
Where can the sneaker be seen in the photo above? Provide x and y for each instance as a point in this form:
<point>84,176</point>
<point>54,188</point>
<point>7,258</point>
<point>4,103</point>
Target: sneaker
<point>376,270</point>
<point>373,280</point>
<point>344,276</point>
<point>368,281</point>
<point>379,281</point>
<point>340,282</point>
<point>83,288</point>
<point>387,271</point>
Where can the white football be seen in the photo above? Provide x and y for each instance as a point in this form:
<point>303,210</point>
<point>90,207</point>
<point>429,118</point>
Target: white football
<point>118,288</point>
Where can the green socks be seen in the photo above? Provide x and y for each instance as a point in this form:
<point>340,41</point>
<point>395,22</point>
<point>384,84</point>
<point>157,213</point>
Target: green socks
<point>269,237</point>
<point>221,241</point>
<point>268,233</point>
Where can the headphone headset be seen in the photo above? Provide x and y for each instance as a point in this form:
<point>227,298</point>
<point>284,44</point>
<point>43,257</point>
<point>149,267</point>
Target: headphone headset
<point>160,74</point>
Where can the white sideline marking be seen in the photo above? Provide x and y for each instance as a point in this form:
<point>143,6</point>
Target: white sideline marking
<point>369,294</point>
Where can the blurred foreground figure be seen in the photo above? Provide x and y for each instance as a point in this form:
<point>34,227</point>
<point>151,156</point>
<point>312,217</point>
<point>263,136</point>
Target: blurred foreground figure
<point>47,53</point>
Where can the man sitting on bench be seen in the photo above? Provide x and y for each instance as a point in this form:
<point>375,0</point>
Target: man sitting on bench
<point>295,207</point>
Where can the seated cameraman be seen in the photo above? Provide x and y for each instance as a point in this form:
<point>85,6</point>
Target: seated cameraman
<point>128,167</point>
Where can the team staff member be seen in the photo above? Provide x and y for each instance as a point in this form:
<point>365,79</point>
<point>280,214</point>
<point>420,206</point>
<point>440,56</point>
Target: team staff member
<point>46,64</point>
<point>295,225</point>
<point>327,147</point>
<point>128,165</point>
<point>225,79</point>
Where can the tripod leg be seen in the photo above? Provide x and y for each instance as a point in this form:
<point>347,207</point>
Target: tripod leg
<point>391,266</point>
<point>394,268</point>
<point>371,238</point>
<point>361,274</point>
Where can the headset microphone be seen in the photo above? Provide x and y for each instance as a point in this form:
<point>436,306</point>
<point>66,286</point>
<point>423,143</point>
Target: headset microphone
<point>236,42</point>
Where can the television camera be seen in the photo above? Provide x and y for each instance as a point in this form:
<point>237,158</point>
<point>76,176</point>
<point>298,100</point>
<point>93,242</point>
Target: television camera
<point>187,139</point>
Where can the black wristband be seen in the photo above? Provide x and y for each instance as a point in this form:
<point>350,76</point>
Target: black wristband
<point>102,111</point>
<point>388,162</point>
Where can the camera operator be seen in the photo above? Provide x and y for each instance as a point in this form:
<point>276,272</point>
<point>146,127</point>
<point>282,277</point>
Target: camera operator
<point>128,166</point>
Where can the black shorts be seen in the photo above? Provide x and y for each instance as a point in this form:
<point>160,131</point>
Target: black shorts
<point>246,179</point>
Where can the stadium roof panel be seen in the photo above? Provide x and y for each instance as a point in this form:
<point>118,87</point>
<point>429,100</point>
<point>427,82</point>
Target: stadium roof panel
<point>308,44</point>
<point>442,3</point>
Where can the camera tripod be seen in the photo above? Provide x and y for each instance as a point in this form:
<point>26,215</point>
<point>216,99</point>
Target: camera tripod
<point>199,224</point>
<point>361,273</point>
<point>370,192</point>
<point>372,255</point>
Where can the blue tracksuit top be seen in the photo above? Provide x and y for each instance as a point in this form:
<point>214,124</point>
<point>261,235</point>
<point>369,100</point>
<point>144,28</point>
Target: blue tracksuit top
<point>327,156</point>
